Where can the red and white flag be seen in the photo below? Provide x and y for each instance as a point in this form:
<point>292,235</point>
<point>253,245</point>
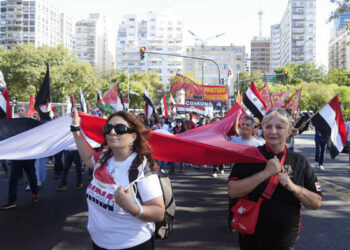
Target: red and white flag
<point>148,103</point>
<point>172,103</point>
<point>254,102</point>
<point>229,74</point>
<point>164,107</point>
<point>5,107</point>
<point>330,122</point>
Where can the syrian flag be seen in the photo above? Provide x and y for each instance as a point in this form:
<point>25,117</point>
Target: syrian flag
<point>254,102</point>
<point>82,102</point>
<point>5,107</point>
<point>148,103</point>
<point>120,100</point>
<point>164,107</point>
<point>172,103</point>
<point>99,96</point>
<point>42,100</point>
<point>330,122</point>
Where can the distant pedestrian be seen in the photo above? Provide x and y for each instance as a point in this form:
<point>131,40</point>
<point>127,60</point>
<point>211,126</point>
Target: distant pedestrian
<point>320,143</point>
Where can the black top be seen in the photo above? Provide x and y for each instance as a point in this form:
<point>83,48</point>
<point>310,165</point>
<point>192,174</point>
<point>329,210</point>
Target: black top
<point>279,217</point>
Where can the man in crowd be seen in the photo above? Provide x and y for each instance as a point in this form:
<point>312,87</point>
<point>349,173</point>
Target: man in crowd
<point>16,170</point>
<point>245,132</point>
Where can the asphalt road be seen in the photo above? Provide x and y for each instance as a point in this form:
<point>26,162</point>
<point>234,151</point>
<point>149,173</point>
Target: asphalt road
<point>58,220</point>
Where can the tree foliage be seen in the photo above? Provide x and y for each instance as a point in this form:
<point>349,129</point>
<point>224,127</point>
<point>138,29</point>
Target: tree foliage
<point>342,6</point>
<point>24,69</point>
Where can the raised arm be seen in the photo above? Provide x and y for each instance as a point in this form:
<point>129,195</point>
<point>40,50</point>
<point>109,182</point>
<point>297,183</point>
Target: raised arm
<point>84,148</point>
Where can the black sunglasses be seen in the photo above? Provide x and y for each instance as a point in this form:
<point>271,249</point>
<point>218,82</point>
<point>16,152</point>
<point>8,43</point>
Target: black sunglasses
<point>279,110</point>
<point>119,129</point>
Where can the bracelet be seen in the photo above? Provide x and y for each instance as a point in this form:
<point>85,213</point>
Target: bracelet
<point>74,128</point>
<point>140,213</point>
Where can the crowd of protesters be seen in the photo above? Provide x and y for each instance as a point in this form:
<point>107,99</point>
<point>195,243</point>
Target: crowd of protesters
<point>247,130</point>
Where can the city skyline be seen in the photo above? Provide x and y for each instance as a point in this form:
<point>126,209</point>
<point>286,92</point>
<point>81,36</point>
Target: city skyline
<point>238,20</point>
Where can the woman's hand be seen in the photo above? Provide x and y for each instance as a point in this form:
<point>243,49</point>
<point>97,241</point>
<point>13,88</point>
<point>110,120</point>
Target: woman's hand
<point>75,118</point>
<point>123,197</point>
<point>286,182</point>
<point>272,167</point>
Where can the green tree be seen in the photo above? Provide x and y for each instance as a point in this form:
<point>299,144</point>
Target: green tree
<point>24,69</point>
<point>307,72</point>
<point>338,76</point>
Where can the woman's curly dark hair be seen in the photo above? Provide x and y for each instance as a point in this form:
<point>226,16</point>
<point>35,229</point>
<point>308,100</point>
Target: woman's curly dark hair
<point>140,145</point>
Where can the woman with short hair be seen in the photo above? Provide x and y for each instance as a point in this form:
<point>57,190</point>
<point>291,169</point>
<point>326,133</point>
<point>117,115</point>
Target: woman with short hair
<point>278,222</point>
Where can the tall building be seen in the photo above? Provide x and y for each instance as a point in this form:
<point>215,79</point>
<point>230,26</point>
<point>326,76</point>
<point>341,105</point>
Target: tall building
<point>339,47</point>
<point>260,55</point>
<point>92,43</point>
<point>297,34</point>
<point>225,56</point>
<point>35,21</point>
<point>160,32</point>
<point>275,53</point>
<point>339,50</point>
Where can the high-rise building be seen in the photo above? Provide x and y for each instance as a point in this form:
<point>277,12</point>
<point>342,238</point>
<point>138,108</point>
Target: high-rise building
<point>297,35</point>
<point>92,43</point>
<point>35,21</point>
<point>260,55</point>
<point>338,47</point>
<point>159,32</point>
<point>339,50</point>
<point>225,56</point>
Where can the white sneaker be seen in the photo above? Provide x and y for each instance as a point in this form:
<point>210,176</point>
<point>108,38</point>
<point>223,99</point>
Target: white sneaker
<point>322,168</point>
<point>222,171</point>
<point>316,165</point>
<point>27,188</point>
<point>215,175</point>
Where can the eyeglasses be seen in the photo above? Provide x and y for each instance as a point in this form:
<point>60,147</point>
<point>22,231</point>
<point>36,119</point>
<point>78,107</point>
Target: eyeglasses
<point>119,129</point>
<point>279,110</point>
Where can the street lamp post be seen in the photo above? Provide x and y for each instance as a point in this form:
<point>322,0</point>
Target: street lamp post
<point>202,47</point>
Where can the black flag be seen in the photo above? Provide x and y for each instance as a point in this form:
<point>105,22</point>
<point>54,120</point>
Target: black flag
<point>42,100</point>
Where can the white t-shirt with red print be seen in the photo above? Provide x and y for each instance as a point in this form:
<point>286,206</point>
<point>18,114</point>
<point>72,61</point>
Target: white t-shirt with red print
<point>109,225</point>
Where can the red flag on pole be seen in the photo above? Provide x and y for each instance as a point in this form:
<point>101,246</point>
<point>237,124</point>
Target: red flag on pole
<point>265,94</point>
<point>293,101</point>
<point>31,108</point>
<point>279,98</point>
<point>164,107</point>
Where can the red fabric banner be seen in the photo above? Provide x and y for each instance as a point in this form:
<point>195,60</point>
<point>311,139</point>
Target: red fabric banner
<point>293,102</point>
<point>265,94</point>
<point>279,98</point>
<point>206,145</point>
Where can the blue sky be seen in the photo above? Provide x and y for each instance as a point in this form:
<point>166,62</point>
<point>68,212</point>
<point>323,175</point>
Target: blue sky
<point>237,18</point>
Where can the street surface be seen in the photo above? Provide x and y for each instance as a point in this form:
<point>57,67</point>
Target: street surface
<point>58,220</point>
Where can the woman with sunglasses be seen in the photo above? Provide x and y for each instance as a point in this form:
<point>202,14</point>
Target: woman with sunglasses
<point>279,216</point>
<point>118,219</point>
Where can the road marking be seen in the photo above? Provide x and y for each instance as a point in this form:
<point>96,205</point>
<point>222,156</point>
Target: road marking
<point>342,192</point>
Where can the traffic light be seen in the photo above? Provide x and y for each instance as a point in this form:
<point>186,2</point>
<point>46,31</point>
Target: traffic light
<point>286,74</point>
<point>142,52</point>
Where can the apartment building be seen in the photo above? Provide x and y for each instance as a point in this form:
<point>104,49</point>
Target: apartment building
<point>260,55</point>
<point>225,56</point>
<point>93,44</point>
<point>160,32</point>
<point>35,21</point>
<point>339,50</point>
<point>294,40</point>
